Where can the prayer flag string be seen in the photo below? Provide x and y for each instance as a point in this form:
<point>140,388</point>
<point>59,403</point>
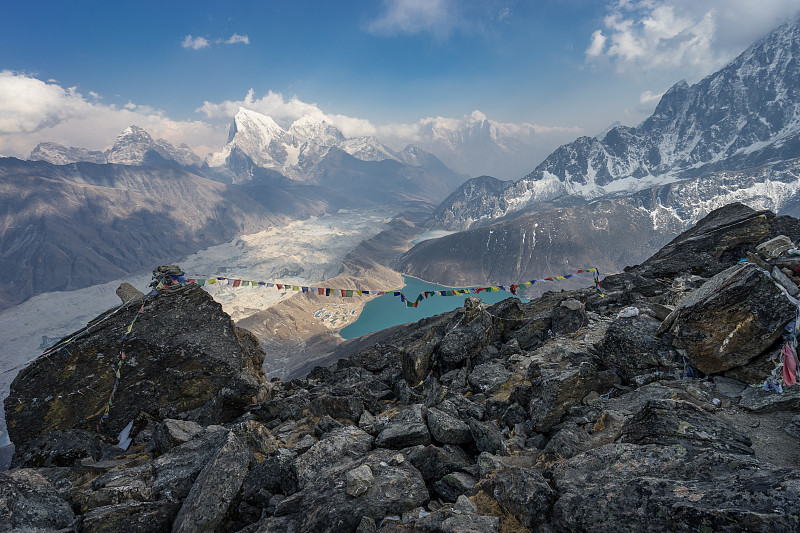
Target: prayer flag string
<point>412,301</point>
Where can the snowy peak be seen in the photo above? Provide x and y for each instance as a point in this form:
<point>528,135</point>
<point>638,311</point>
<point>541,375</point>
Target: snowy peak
<point>134,146</point>
<point>257,140</point>
<point>58,154</point>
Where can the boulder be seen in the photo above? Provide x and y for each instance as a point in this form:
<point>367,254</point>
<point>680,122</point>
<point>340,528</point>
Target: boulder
<point>434,462</point>
<point>359,480</point>
<point>171,432</point>
<point>487,378</point>
<point>669,422</point>
<point>134,517</point>
<point>63,448</point>
<point>176,470</point>
<point>730,319</point>
<point>630,348</point>
<point>487,436</point>
<point>568,316</point>
<point>554,394</point>
<point>128,293</point>
<point>666,488</point>
<point>335,446</point>
<point>274,475</point>
<point>28,502</point>
<point>407,428</point>
<point>447,429</point>
<point>464,341</point>
<point>183,355</point>
<point>217,484</point>
<point>524,492</point>
<point>325,505</point>
<point>453,485</point>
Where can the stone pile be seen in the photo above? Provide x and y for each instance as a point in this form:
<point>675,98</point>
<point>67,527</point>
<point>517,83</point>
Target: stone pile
<point>562,414</point>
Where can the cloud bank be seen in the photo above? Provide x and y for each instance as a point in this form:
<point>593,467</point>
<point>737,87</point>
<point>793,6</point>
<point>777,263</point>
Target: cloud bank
<point>34,111</point>
<point>663,34</point>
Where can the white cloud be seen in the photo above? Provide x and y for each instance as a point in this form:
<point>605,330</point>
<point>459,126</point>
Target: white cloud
<point>438,17</point>
<point>504,13</point>
<point>597,44</point>
<point>648,97</point>
<point>236,38</point>
<point>33,111</point>
<point>698,36</point>
<point>195,43</point>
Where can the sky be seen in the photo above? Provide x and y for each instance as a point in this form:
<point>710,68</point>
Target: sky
<point>78,73</point>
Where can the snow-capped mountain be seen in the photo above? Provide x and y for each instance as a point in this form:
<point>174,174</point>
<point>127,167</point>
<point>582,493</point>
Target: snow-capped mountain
<point>59,154</point>
<point>294,152</point>
<point>134,146</point>
<point>476,145</point>
<point>744,116</point>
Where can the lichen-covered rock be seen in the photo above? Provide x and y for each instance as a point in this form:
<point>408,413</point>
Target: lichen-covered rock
<point>451,486</point>
<point>488,377</point>
<point>666,488</point>
<point>668,422</point>
<point>133,517</point>
<point>522,491</point>
<point>731,319</point>
<point>630,348</point>
<point>325,505</point>
<point>63,448</point>
<point>359,480</point>
<point>176,470</point>
<point>216,486</point>
<point>28,502</point>
<point>487,436</point>
<point>568,316</point>
<point>447,429</point>
<point>407,428</point>
<point>434,462</point>
<point>336,445</point>
<point>182,355</point>
<point>555,393</point>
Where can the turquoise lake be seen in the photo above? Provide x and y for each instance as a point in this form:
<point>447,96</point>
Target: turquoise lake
<point>387,310</point>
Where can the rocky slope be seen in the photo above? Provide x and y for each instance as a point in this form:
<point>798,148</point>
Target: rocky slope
<point>71,226</point>
<point>574,412</point>
<point>744,116</point>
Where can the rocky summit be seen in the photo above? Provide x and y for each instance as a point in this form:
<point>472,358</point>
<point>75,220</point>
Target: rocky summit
<point>662,404</point>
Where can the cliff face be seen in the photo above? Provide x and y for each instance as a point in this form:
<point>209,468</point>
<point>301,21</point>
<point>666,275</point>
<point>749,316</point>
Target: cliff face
<point>566,413</point>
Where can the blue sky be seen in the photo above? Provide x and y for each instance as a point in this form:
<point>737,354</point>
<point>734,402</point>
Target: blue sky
<point>78,72</point>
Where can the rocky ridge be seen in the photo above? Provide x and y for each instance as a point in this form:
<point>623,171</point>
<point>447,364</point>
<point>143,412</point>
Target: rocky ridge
<point>574,412</point>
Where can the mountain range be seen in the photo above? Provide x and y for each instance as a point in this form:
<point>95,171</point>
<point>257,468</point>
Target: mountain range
<point>612,200</point>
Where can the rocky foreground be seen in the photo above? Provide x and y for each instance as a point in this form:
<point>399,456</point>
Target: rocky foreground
<point>635,411</point>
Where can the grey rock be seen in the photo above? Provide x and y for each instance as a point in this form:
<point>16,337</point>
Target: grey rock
<point>407,428</point>
<point>434,462</point>
<point>464,505</point>
<point>557,393</point>
<point>785,282</point>
<point>674,489</point>
<point>567,442</point>
<point>326,424</point>
<point>524,492</point>
<point>28,502</point>
<point>62,448</point>
<point>758,400</point>
<point>367,525</point>
<point>256,437</point>
<point>359,480</point>
<point>338,406</point>
<point>487,378</point>
<point>487,436</point>
<point>453,485</point>
<point>775,246</point>
<point>464,341</point>
<point>669,422</point>
<point>129,294</point>
<point>630,348</point>
<point>568,316</point>
<point>176,470</point>
<point>369,423</point>
<point>325,505</point>
<point>446,428</point>
<point>215,488</point>
<point>171,432</point>
<point>335,446</point>
<point>274,475</point>
<point>135,517</point>
<point>731,319</point>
